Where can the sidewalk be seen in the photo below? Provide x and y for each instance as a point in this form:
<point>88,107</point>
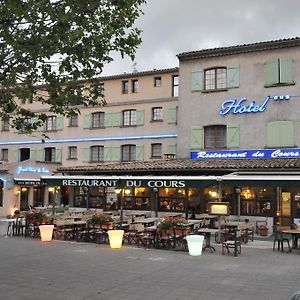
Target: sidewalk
<point>60,270</point>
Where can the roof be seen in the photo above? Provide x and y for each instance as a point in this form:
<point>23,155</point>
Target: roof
<point>244,48</point>
<point>187,166</point>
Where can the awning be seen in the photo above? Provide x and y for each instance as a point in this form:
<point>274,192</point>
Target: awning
<point>131,181</point>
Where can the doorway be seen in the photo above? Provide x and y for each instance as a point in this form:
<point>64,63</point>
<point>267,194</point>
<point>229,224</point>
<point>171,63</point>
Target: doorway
<point>283,213</point>
<point>24,198</point>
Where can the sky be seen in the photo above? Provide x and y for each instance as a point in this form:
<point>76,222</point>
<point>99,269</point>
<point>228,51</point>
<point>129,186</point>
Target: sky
<point>171,27</point>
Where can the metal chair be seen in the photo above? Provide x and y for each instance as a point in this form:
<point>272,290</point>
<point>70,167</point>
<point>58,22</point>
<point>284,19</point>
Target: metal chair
<point>280,238</point>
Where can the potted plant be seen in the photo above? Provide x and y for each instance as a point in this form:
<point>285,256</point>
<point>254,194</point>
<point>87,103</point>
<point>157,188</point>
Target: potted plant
<point>165,226</point>
<point>36,217</point>
<point>102,220</point>
<point>181,227</point>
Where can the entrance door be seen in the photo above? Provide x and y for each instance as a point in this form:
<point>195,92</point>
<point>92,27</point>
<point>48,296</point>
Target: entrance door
<point>24,198</point>
<point>284,208</point>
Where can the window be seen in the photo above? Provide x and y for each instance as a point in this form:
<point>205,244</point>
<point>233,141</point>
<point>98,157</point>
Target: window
<point>279,71</point>
<point>129,117</point>
<point>128,152</point>
<point>215,79</point>
<point>5,126</point>
<point>100,88</point>
<point>125,86</point>
<point>97,153</point>
<point>24,154</point>
<point>73,121</point>
<point>4,154</point>
<point>157,114</point>
<point>175,86</point>
<point>156,150</point>
<point>98,120</point>
<point>135,86</point>
<point>157,81</point>
<point>50,154</point>
<point>51,123</point>
<point>215,137</point>
<point>72,152</point>
<point>25,123</point>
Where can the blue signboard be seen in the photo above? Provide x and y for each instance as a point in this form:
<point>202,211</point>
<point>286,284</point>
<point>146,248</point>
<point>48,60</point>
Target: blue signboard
<point>242,154</point>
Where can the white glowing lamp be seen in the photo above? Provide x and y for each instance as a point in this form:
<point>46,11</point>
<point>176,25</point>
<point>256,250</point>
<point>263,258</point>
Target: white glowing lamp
<point>195,244</point>
<point>115,238</point>
<point>46,232</point>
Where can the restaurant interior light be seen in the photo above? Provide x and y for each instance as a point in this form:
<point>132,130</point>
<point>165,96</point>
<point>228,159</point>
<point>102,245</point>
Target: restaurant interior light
<point>118,191</point>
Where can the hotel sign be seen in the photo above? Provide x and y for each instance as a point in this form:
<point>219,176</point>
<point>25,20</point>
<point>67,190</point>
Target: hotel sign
<point>243,105</point>
<point>244,154</point>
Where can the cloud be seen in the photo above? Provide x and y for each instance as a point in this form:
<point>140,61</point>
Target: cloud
<point>171,27</point>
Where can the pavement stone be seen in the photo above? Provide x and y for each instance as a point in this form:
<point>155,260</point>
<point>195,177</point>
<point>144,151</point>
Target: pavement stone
<point>60,270</point>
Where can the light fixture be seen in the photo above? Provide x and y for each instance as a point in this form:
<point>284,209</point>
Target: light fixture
<point>127,191</point>
<point>118,190</point>
<point>51,189</point>
<point>24,189</point>
<point>46,232</point>
<point>115,238</point>
<point>219,208</point>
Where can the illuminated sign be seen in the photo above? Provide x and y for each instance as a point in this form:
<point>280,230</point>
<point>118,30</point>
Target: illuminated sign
<point>242,106</point>
<point>42,170</point>
<point>240,154</point>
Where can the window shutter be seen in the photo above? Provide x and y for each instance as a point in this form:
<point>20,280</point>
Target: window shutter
<point>39,128</point>
<point>272,72</point>
<point>86,155</point>
<point>15,155</point>
<point>116,119</point>
<point>196,137</point>
<point>107,119</point>
<point>140,152</point>
<point>286,71</point>
<point>233,136</point>
<point>59,123</point>
<point>116,155</point>
<point>196,80</point>
<point>287,134</point>
<point>107,153</point>
<point>57,155</point>
<point>32,154</point>
<point>172,115</point>
<point>87,121</point>
<point>233,76</point>
<point>172,149</point>
<point>140,117</point>
<point>40,155</point>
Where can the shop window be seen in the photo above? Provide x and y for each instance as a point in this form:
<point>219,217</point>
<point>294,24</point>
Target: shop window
<point>215,137</point>
<point>128,152</point>
<point>171,199</point>
<point>129,117</point>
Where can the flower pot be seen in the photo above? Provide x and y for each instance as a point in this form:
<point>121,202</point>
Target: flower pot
<point>263,230</point>
<point>46,232</point>
<point>115,238</point>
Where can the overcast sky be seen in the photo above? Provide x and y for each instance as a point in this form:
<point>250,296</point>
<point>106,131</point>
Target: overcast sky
<point>171,27</point>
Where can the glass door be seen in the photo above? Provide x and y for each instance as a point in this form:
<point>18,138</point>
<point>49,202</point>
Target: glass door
<point>284,208</point>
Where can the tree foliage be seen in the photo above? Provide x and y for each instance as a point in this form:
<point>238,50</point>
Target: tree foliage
<point>50,48</point>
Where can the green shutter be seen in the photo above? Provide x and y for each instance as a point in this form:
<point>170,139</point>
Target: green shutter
<point>116,119</point>
<point>86,155</point>
<point>196,137</point>
<point>140,152</point>
<point>172,115</point>
<point>87,121</point>
<point>59,123</point>
<point>57,155</point>
<point>172,149</point>
<point>40,155</point>
<point>280,134</point>
<point>15,155</point>
<point>107,154</point>
<point>286,71</point>
<point>107,119</point>
<point>140,117</point>
<point>32,154</point>
<point>233,76</point>
<point>116,155</point>
<point>196,80</point>
<point>272,72</point>
<point>233,136</point>
<point>39,128</point>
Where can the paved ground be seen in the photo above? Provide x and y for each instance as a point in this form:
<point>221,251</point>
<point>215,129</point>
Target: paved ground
<point>60,270</point>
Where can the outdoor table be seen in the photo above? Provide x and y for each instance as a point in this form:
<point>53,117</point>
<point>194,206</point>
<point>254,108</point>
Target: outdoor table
<point>147,221</point>
<point>194,223</point>
<point>295,233</point>
<point>207,233</point>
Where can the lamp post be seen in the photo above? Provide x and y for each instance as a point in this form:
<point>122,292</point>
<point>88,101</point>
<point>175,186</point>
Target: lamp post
<point>118,191</point>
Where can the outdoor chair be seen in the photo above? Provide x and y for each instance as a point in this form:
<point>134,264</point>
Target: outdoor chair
<point>280,238</point>
<point>231,239</point>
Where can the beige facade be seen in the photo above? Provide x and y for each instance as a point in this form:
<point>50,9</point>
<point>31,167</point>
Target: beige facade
<point>138,123</point>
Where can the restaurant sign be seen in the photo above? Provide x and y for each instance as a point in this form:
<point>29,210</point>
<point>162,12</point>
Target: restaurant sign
<point>246,154</point>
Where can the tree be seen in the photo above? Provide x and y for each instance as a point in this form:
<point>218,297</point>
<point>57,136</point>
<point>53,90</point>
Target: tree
<point>52,50</point>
